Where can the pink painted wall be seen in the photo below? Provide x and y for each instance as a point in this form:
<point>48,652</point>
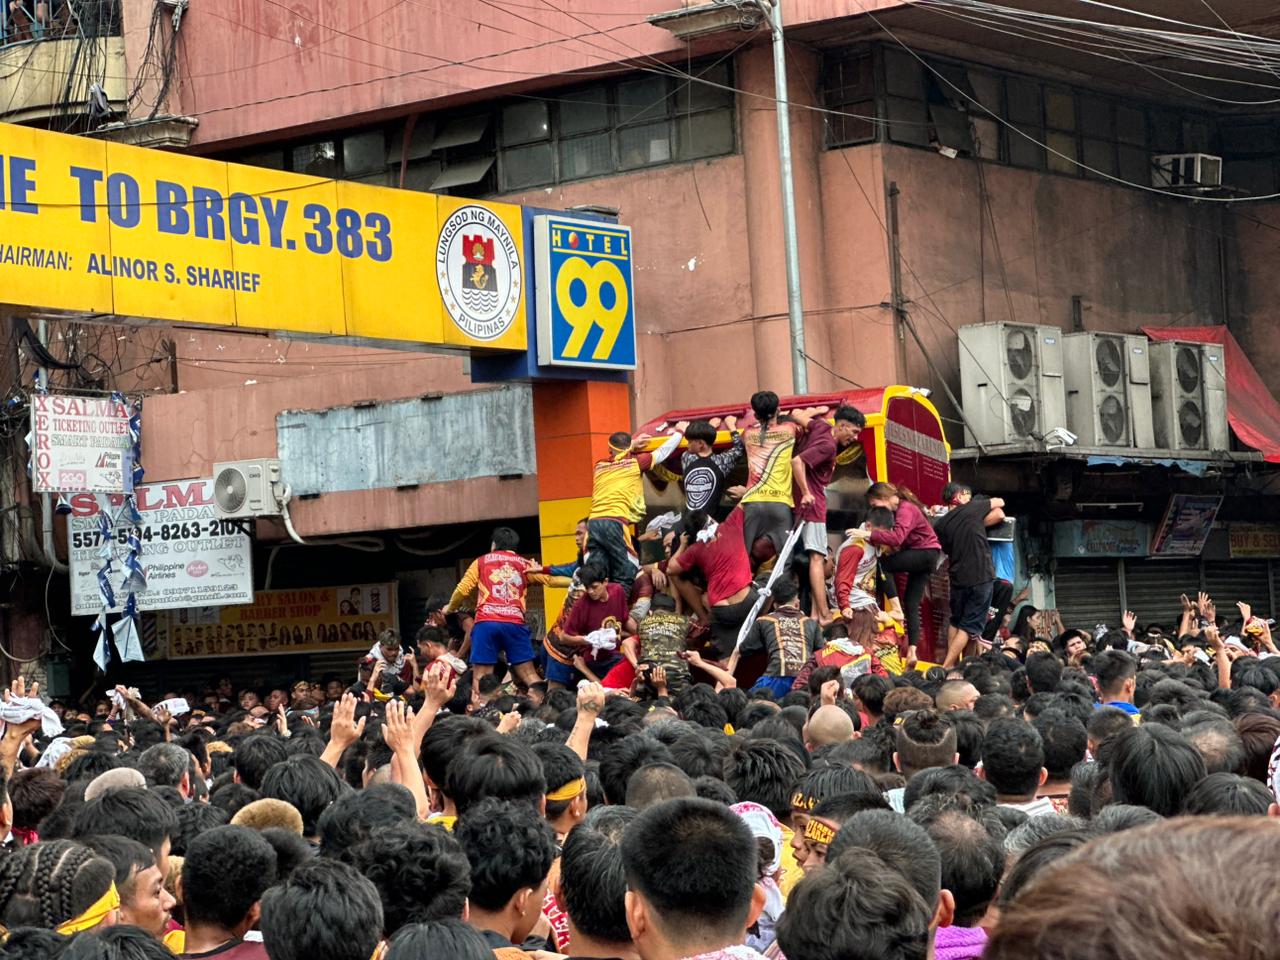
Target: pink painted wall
<point>251,68</point>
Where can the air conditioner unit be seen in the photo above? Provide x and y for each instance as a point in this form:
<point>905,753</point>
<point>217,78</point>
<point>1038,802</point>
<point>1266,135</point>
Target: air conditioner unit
<point>1186,170</point>
<point>1108,382</point>
<point>1011,381</point>
<point>247,488</point>
<point>1189,396</point>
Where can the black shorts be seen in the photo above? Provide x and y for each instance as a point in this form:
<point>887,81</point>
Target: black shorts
<point>970,607</point>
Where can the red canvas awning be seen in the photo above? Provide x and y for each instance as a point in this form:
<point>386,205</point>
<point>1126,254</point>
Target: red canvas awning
<point>1252,411</point>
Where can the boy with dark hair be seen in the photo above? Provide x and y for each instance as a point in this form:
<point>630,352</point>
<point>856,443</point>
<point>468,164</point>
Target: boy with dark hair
<point>443,744</point>
<point>224,875</point>
<point>602,606</point>
<point>704,473</point>
<point>323,911</point>
<point>771,478</point>
<point>501,577</point>
<point>617,502</point>
<point>144,902</point>
<point>496,767</point>
<point>592,885</point>
<point>134,813</point>
<point>858,908</point>
<point>420,871</point>
<point>719,554</point>
<point>1117,674</point>
<point>785,635</point>
<point>1013,763</point>
<point>691,868</point>
<point>254,756</point>
<point>510,848</point>
<point>306,782</point>
<point>566,797</point>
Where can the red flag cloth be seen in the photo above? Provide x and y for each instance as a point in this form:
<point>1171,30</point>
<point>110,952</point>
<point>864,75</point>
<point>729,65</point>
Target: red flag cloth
<point>1252,411</point>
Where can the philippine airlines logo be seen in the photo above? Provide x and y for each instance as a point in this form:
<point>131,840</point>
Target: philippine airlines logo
<point>478,269</point>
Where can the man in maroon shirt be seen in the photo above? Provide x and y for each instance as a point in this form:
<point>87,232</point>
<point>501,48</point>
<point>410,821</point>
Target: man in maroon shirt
<point>813,468</point>
<point>602,605</point>
<point>225,873</point>
<point>723,560</point>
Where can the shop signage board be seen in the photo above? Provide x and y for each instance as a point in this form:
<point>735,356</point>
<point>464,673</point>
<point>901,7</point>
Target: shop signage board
<point>305,620</point>
<point>1101,538</point>
<point>97,227</point>
<point>191,556</point>
<point>1256,540</point>
<point>586,299</point>
<point>1185,526</point>
<point>79,444</point>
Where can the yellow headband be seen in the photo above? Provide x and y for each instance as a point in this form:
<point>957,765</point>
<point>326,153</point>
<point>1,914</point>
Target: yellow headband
<point>94,915</point>
<point>818,832</point>
<point>569,790</point>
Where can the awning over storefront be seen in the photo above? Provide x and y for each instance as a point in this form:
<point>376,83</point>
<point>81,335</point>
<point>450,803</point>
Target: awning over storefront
<point>1252,411</point>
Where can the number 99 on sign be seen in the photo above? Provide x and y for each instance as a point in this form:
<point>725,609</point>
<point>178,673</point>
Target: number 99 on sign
<point>590,295</point>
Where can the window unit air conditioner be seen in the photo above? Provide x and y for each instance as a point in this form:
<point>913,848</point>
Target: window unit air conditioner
<point>1011,381</point>
<point>1189,396</point>
<point>1108,383</point>
<point>247,488</point>
<point>1201,171</point>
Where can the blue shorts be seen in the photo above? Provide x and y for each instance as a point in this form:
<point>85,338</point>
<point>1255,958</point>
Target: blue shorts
<point>489,637</point>
<point>778,686</point>
<point>561,673</point>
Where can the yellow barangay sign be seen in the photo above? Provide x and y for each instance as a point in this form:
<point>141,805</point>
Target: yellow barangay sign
<point>97,227</point>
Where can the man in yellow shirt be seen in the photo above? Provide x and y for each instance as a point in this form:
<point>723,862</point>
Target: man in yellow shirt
<point>767,502</point>
<point>617,502</point>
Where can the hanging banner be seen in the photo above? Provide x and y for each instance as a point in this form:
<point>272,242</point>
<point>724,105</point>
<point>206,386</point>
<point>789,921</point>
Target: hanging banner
<point>312,620</point>
<point>1185,527</point>
<point>78,444</point>
<point>190,555</point>
<point>1101,538</point>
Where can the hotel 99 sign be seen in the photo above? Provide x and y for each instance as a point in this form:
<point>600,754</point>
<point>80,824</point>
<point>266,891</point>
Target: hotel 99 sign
<point>585,302</point>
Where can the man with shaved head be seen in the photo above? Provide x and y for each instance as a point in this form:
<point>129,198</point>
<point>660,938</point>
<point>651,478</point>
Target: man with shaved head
<point>956,695</point>
<point>829,724</point>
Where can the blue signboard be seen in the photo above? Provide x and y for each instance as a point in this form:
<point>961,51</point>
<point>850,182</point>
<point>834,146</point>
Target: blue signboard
<point>585,297</point>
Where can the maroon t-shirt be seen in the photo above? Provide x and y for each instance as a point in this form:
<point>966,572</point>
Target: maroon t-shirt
<point>817,449</point>
<point>588,615</point>
<point>723,561</point>
<point>231,950</point>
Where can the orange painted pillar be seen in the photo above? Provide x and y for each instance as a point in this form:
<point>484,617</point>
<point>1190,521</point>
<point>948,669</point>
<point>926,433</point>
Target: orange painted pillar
<point>572,421</point>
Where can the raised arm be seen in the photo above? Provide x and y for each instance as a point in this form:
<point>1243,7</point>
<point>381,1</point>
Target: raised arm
<point>466,586</point>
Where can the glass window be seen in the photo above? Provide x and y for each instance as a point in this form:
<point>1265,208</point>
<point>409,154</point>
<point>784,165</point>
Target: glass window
<point>584,110</point>
<point>903,75</point>
<point>1059,110</point>
<point>421,174</point>
<point>704,134</point>
<point>707,95</point>
<point>1024,152</point>
<point>1096,118</point>
<point>528,166</point>
<point>986,90</point>
<point>525,122</point>
<point>1024,101</point>
<point>853,79</point>
<point>271,159</point>
<point>364,153</point>
<point>1100,155</point>
<point>951,128</point>
<point>908,121</point>
<point>644,145</point>
<point>1131,125</point>
<point>855,124</point>
<point>642,100</point>
<point>317,159</point>
<point>461,132</point>
<point>986,138</point>
<point>1062,152</point>
<point>588,156</point>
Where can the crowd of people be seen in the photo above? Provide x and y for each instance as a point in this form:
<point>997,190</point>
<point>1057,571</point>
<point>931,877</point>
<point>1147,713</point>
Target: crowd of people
<point>632,788</point>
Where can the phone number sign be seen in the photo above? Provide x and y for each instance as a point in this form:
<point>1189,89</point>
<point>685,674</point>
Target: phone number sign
<point>586,303</point>
<point>191,556</point>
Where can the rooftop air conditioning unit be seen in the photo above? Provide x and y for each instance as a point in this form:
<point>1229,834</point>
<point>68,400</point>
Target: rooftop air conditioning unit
<point>1186,170</point>
<point>1189,396</point>
<point>1011,381</point>
<point>1108,381</point>
<point>247,488</point>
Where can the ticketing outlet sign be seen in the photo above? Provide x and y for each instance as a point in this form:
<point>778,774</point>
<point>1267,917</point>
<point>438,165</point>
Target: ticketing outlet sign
<point>98,227</point>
